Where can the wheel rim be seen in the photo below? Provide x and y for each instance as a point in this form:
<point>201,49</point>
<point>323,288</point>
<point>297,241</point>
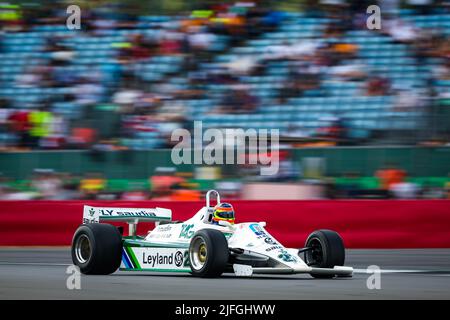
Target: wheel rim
<point>314,257</point>
<point>198,253</point>
<point>83,249</point>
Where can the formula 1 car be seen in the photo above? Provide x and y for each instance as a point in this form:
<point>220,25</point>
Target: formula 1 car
<point>198,246</point>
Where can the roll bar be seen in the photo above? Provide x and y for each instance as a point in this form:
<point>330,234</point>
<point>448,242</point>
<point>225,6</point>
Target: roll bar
<point>208,196</point>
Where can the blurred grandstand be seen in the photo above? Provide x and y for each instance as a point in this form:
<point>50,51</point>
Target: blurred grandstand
<point>125,81</point>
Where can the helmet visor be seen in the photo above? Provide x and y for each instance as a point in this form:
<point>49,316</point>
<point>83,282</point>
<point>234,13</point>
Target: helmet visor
<point>224,214</point>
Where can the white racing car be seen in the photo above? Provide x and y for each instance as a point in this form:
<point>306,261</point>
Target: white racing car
<point>206,245</point>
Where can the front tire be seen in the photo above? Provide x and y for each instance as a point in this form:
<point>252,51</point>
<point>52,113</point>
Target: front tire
<point>208,253</point>
<point>327,251</point>
<point>97,248</point>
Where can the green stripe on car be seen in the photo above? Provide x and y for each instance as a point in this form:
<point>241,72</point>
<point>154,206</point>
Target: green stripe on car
<point>133,257</point>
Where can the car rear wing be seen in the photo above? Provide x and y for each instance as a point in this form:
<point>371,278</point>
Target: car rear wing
<point>132,216</point>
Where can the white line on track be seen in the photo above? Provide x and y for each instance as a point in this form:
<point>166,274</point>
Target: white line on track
<point>359,271</point>
<point>34,264</point>
<point>399,271</point>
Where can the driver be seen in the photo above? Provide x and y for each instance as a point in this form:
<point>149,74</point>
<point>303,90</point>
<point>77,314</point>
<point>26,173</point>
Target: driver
<point>223,212</point>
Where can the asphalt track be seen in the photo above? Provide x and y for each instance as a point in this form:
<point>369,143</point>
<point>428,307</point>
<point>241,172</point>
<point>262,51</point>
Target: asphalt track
<point>405,274</point>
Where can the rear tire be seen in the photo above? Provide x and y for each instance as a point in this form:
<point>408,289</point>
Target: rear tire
<point>208,253</point>
<point>328,251</point>
<point>97,248</point>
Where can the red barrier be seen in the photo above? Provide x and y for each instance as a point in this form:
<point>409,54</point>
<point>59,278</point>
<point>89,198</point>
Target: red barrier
<point>362,224</point>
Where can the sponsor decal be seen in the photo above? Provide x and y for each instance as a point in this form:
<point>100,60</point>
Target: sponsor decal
<point>164,228</point>
<point>179,258</point>
<point>129,258</point>
<point>162,232</point>
<point>86,221</point>
<point>227,235</point>
<point>140,213</point>
<point>286,256</point>
<point>89,216</point>
<point>186,259</point>
<point>157,260</point>
<point>256,228</point>
<point>106,212</point>
<point>186,231</point>
<point>274,248</point>
<point>270,241</point>
<point>161,258</point>
<point>160,235</point>
<point>261,234</point>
